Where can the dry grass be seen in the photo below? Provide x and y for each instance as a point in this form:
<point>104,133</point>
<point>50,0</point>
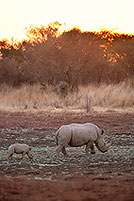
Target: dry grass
<point>33,97</point>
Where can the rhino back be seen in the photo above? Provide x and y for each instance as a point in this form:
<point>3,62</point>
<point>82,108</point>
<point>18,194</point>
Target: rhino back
<point>19,148</point>
<point>82,133</point>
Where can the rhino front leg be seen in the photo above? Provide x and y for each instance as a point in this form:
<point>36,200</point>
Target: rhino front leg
<point>29,155</point>
<point>23,154</point>
<point>10,156</point>
<point>91,146</point>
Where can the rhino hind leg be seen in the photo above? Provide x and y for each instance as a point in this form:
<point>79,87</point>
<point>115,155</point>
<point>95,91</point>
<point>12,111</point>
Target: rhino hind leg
<point>59,149</point>
<point>91,146</point>
<point>64,151</point>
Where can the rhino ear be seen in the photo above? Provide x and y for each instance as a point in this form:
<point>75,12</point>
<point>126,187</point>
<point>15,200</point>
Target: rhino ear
<point>102,131</point>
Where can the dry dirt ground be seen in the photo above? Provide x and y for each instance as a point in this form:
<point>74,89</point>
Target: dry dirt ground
<point>78,177</point>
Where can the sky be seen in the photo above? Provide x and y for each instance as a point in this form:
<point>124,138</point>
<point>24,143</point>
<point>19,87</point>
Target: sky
<point>88,15</point>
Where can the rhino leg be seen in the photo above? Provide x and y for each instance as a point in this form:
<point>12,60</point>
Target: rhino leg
<point>59,149</point>
<point>91,146</point>
<point>10,156</point>
<point>29,155</point>
<point>23,154</point>
<point>64,151</point>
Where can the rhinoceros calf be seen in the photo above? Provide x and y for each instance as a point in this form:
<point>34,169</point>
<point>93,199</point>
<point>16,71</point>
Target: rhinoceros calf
<point>77,135</point>
<point>19,149</point>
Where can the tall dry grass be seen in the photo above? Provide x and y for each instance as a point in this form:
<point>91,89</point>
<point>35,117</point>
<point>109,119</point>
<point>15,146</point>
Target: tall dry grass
<point>33,97</point>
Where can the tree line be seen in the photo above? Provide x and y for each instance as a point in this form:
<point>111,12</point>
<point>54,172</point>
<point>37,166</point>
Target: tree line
<point>73,57</point>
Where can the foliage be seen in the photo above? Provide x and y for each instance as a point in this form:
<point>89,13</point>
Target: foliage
<point>61,88</point>
<point>73,57</point>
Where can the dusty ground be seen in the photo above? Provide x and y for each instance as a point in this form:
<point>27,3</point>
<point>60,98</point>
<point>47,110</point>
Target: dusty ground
<point>104,177</point>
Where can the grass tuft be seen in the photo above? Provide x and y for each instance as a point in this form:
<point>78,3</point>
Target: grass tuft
<point>33,97</point>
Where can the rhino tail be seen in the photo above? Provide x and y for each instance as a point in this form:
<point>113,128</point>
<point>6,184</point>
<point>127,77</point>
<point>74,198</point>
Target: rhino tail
<point>57,134</point>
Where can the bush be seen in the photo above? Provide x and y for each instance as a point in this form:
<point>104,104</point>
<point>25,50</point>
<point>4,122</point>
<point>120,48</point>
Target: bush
<point>61,89</point>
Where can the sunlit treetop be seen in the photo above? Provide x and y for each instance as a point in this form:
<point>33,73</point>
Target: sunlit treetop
<point>39,34</point>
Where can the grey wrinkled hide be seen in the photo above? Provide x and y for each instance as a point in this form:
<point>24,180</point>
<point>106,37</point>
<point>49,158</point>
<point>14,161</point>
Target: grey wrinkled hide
<point>19,149</point>
<point>77,135</point>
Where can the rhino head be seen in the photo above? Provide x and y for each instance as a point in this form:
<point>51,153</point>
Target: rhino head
<point>101,144</point>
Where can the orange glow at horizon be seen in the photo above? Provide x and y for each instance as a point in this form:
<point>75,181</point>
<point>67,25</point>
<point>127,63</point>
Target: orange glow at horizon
<point>87,15</point>
<point>63,28</point>
<point>110,33</point>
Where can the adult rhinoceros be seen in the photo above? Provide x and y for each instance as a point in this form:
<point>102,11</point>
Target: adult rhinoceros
<point>77,135</point>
